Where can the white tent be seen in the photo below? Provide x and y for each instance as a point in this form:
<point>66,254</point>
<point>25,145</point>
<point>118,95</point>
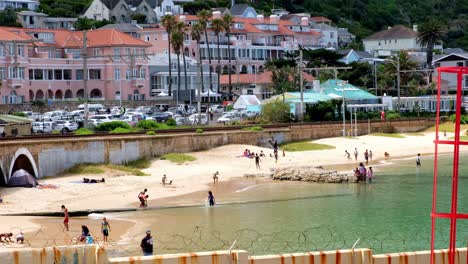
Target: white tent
<point>246,100</point>
<point>205,94</point>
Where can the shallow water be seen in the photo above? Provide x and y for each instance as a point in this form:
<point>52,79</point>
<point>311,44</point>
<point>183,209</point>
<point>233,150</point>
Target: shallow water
<point>389,215</point>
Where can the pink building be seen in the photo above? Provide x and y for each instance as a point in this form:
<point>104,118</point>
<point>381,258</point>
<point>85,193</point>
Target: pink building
<point>42,64</point>
<point>253,41</point>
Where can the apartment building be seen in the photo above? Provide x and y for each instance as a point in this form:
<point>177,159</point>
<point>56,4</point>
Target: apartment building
<point>19,4</point>
<point>42,64</point>
<point>32,19</point>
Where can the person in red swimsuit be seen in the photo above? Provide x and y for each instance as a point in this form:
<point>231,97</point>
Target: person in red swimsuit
<point>66,218</point>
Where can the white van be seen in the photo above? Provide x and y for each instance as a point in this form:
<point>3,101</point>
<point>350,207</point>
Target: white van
<point>92,108</point>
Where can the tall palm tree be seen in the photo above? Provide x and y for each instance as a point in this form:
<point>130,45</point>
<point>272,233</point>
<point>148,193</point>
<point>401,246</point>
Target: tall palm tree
<point>430,33</point>
<point>168,21</point>
<point>177,41</point>
<point>181,27</point>
<point>217,25</point>
<point>196,33</point>
<point>203,18</point>
<point>228,22</point>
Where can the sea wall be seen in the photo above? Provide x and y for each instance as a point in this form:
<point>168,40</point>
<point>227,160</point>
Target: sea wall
<point>50,157</point>
<point>81,254</point>
<point>311,174</point>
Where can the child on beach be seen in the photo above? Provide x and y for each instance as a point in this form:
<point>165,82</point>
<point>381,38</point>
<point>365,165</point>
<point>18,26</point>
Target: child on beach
<point>356,153</point>
<point>6,237</point>
<point>257,161</point>
<point>366,156</point>
<point>347,154</point>
<point>370,155</point>
<point>142,197</point>
<point>163,180</point>
<point>370,174</point>
<point>418,160</point>
<point>105,228</point>
<point>20,238</point>
<point>65,217</point>
<point>211,198</point>
<point>215,177</point>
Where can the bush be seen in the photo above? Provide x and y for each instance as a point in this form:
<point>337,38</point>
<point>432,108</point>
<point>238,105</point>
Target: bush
<point>147,124</point>
<point>121,130</point>
<point>83,131</point>
<point>391,116</point>
<point>111,126</point>
<point>56,132</point>
<point>276,112</point>
<point>171,122</point>
<point>178,158</point>
<point>151,133</point>
<point>21,114</point>
<point>199,131</point>
<point>463,119</point>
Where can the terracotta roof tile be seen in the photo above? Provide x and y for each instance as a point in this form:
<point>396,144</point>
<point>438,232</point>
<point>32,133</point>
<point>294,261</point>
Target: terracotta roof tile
<point>6,35</point>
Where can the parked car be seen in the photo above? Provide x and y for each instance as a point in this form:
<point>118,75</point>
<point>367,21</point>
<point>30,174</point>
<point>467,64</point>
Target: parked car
<point>99,119</point>
<point>216,109</point>
<point>227,118</point>
<point>32,115</point>
<point>162,107</point>
<point>160,117</point>
<point>54,115</point>
<point>193,119</point>
<point>42,127</point>
<point>65,126</point>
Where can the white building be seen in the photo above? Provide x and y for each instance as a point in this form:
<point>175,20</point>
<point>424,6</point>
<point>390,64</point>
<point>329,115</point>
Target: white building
<point>168,6</point>
<point>396,38</point>
<point>449,81</point>
<point>19,4</point>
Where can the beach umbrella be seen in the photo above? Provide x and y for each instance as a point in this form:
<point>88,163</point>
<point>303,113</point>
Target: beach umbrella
<point>22,178</point>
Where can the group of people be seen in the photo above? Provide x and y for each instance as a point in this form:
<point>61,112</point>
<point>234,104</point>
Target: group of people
<point>368,155</point>
<point>85,234</point>
<point>6,237</point>
<point>87,180</point>
<point>362,174</point>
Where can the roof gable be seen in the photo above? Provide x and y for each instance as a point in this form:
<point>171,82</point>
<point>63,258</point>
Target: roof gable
<point>452,57</point>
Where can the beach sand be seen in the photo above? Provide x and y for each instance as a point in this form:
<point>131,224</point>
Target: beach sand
<point>196,176</point>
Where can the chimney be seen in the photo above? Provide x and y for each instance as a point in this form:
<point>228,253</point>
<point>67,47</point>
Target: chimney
<point>260,18</point>
<point>304,21</point>
<point>182,18</point>
<point>273,19</point>
<point>415,28</point>
<point>216,14</point>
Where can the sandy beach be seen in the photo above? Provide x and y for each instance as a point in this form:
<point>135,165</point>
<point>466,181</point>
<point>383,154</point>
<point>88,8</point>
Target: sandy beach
<point>121,191</point>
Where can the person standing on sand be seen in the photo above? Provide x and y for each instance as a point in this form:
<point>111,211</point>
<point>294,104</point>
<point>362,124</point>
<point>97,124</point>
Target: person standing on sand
<point>366,156</point>
<point>418,160</point>
<point>105,228</point>
<point>147,244</point>
<point>370,155</point>
<point>141,197</point>
<point>257,161</point>
<point>215,177</point>
<point>370,174</point>
<point>164,179</point>
<point>66,218</point>
<point>347,155</point>
<point>356,153</point>
<point>211,199</point>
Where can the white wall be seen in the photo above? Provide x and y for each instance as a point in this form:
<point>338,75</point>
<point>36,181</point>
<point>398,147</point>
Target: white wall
<point>389,44</point>
<point>98,11</point>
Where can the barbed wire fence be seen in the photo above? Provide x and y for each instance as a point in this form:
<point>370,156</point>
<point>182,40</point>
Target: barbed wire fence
<point>255,242</point>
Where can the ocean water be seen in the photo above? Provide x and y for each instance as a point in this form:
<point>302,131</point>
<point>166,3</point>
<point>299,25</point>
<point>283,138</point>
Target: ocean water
<point>390,215</point>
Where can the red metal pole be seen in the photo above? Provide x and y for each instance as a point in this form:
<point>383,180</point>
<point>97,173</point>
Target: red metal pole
<point>436,163</point>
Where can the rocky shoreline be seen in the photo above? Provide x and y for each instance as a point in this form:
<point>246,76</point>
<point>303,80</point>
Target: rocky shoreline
<point>307,174</point>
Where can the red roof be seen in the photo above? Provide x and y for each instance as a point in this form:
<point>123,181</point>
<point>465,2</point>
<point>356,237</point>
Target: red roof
<point>249,78</point>
<point>74,39</point>
<point>320,19</point>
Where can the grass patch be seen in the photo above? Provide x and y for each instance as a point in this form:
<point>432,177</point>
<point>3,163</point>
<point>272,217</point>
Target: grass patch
<point>253,128</point>
<point>446,126</point>
<point>305,146</point>
<point>178,158</point>
<point>199,131</point>
<point>139,164</point>
<point>130,170</point>
<point>85,168</point>
<point>151,133</point>
<point>83,131</point>
<point>391,135</point>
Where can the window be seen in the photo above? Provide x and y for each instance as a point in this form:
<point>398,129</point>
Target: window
<point>117,74</point>
<point>127,51</point>
<point>117,51</point>
<point>95,74</point>
<point>38,74</point>
<point>2,51</point>
<point>460,64</point>
<point>147,38</point>
<point>142,74</point>
<point>58,75</point>
<point>128,74</point>
<point>67,74</point>
<point>174,66</point>
<point>49,74</point>
<point>20,50</point>
<point>21,73</point>
<point>466,81</point>
<point>79,74</point>
<point>2,73</point>
<point>135,73</point>
<point>96,52</point>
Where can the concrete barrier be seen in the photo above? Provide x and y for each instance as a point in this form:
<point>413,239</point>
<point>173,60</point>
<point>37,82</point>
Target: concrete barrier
<point>214,257</point>
<point>420,257</point>
<point>357,256</point>
<point>67,254</point>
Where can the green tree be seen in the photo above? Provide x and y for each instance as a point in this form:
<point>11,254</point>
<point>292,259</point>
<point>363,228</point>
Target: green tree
<point>84,23</point>
<point>139,17</point>
<point>197,32</point>
<point>8,18</point>
<point>321,57</point>
<point>429,34</point>
<point>228,22</point>
<point>169,21</point>
<point>203,18</point>
<point>276,111</point>
<point>388,71</point>
<point>217,25</point>
<point>281,77</point>
<point>322,111</point>
<point>177,41</point>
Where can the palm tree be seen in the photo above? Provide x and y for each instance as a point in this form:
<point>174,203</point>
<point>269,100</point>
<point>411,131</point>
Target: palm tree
<point>218,25</point>
<point>203,17</point>
<point>168,21</point>
<point>181,27</point>
<point>430,33</point>
<point>228,22</point>
<point>177,41</point>
<point>197,31</point>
